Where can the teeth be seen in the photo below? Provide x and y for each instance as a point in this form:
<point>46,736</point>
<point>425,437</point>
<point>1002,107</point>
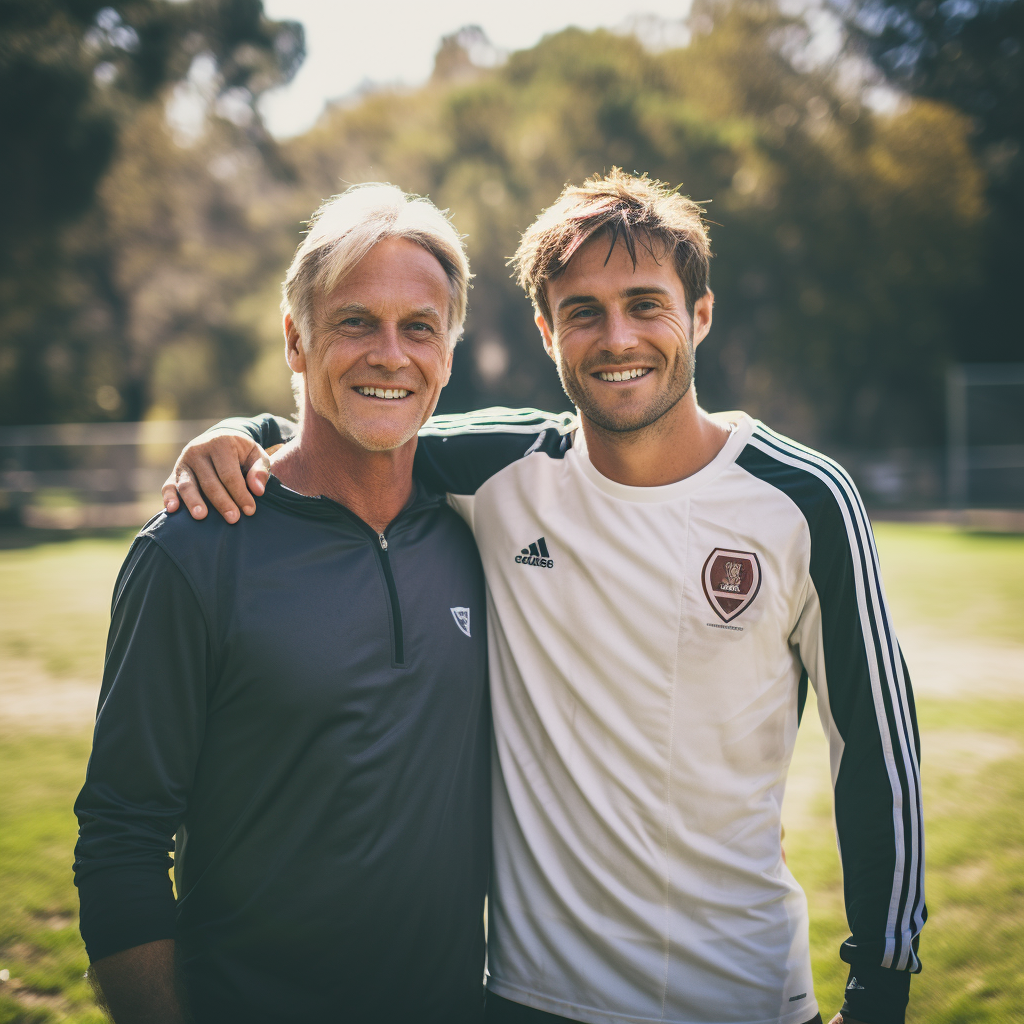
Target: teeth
<point>383,392</point>
<point>625,374</point>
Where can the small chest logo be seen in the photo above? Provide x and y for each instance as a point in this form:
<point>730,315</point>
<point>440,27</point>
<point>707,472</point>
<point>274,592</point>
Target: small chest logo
<point>731,581</point>
<point>461,617</point>
<point>536,554</point>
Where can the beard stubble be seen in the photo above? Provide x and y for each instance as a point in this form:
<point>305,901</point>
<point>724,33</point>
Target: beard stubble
<point>679,382</point>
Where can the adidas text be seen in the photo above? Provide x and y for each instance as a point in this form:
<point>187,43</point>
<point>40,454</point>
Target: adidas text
<point>536,554</point>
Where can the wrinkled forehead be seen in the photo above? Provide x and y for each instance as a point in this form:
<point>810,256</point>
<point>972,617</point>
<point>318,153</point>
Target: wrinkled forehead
<point>395,279</point>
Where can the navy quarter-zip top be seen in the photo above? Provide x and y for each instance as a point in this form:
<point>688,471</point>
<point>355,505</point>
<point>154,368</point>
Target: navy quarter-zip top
<point>297,704</point>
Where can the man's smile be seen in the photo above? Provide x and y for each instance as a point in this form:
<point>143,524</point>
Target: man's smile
<point>387,393</point>
<point>619,375</point>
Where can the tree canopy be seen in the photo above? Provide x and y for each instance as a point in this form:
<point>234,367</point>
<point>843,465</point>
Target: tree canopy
<point>967,54</point>
<point>847,237</point>
<point>75,77</point>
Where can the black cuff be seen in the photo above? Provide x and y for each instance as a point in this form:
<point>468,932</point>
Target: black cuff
<point>877,995</point>
<point>125,907</point>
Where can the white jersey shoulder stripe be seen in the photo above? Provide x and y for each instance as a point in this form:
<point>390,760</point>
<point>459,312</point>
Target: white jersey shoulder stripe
<point>499,420</point>
<point>876,622</point>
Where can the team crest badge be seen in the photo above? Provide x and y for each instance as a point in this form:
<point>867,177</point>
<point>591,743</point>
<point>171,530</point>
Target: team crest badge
<point>461,617</point>
<point>731,581</point>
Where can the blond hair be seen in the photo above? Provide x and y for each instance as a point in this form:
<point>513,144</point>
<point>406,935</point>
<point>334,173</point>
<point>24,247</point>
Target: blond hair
<point>637,210</point>
<point>347,226</point>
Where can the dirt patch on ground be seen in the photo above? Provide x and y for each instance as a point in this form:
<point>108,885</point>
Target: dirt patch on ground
<point>33,701</point>
<point>965,751</point>
<point>951,668</point>
<point>939,669</point>
<point>33,999</point>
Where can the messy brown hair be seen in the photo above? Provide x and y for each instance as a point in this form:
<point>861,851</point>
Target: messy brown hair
<point>637,210</point>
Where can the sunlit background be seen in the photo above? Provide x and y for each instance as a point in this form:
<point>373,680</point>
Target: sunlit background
<point>859,159</point>
<point>861,164</point>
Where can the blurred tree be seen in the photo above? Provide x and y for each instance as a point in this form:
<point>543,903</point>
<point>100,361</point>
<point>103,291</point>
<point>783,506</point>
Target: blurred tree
<point>967,53</point>
<point>843,230</point>
<point>74,74</point>
<point>838,232</point>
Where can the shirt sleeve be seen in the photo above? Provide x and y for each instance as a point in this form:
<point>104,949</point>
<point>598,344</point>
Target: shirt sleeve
<point>457,454</point>
<point>149,730</point>
<point>266,429</point>
<point>850,653</point>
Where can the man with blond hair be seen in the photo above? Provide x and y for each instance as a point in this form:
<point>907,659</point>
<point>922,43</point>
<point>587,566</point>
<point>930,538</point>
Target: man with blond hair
<point>662,586</point>
<point>298,705</point>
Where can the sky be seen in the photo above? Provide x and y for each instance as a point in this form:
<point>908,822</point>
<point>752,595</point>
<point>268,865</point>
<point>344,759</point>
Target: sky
<point>349,44</point>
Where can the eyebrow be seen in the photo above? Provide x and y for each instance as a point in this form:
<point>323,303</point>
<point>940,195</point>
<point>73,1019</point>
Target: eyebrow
<point>628,293</point>
<point>340,312</point>
<point>426,311</point>
<point>643,289</point>
<point>347,310</point>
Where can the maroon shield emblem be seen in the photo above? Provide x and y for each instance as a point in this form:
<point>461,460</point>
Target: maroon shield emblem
<point>731,581</point>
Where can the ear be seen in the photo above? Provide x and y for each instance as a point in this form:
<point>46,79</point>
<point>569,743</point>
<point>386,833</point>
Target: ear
<point>294,354</point>
<point>546,335</point>
<point>448,366</point>
<point>702,311</point>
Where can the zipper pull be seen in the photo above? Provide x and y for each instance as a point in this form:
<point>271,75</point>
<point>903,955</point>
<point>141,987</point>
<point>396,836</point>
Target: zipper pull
<point>383,541</point>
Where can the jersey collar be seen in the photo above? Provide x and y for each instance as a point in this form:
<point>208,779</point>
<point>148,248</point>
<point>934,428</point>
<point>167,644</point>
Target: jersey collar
<point>742,427</point>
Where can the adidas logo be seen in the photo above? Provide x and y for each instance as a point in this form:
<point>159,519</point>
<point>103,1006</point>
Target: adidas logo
<point>536,554</point>
<point>854,986</point>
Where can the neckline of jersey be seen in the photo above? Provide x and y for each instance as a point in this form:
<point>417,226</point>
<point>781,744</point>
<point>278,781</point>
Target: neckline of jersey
<point>321,507</point>
<point>741,429</point>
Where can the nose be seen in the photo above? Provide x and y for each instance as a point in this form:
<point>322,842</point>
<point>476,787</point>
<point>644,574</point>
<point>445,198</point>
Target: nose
<point>620,334</point>
<point>387,351</point>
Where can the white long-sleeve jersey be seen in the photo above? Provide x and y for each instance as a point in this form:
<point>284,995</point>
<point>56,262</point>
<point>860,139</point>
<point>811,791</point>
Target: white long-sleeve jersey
<point>650,649</point>
<point>649,654</point>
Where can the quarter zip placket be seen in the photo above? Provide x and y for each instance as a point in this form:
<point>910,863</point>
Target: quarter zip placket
<point>396,608</point>
<point>323,506</point>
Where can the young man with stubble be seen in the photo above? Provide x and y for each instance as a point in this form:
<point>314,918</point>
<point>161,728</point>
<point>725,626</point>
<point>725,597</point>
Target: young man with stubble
<point>663,585</point>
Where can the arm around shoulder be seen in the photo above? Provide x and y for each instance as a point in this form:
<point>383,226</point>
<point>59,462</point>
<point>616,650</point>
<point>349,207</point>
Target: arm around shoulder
<point>227,466</point>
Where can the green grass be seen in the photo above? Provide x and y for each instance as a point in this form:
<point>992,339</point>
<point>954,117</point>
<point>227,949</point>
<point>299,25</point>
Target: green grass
<point>39,941</point>
<point>964,583</point>
<point>973,780</point>
<point>967,587</point>
<point>54,601</point>
<point>54,609</point>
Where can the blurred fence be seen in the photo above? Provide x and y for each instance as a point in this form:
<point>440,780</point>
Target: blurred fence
<point>71,475</point>
<point>985,454</point>
<point>109,474</point>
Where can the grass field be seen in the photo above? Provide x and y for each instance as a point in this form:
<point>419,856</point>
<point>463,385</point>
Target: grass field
<point>958,603</point>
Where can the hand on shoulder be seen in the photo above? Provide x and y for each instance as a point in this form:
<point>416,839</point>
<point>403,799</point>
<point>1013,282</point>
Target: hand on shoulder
<point>229,468</point>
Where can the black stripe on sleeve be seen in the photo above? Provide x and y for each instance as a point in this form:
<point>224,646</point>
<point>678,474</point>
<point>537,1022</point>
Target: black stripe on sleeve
<point>878,810</point>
